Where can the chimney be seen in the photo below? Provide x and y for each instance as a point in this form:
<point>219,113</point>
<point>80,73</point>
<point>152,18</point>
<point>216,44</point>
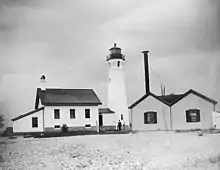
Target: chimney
<point>146,68</point>
<point>163,90</point>
<point>42,82</point>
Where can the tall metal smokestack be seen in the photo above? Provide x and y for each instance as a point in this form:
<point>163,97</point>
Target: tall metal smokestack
<point>146,68</point>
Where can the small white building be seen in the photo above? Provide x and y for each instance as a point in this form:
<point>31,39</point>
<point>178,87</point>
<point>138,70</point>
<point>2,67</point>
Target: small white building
<point>77,108</point>
<point>188,111</point>
<point>107,119</point>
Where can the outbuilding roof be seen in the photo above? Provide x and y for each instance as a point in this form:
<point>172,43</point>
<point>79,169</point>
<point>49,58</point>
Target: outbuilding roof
<point>105,111</point>
<point>27,114</point>
<point>144,97</point>
<point>173,98</point>
<point>67,97</point>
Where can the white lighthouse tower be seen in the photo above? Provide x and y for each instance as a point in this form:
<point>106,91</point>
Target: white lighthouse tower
<point>117,98</point>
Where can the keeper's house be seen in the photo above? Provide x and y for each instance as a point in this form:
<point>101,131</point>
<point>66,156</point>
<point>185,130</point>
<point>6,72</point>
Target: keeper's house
<point>77,108</point>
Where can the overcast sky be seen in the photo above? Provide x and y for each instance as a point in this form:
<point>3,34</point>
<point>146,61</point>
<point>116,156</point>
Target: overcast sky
<point>68,41</point>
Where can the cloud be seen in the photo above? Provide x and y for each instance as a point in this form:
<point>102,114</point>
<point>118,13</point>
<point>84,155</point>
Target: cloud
<point>170,27</point>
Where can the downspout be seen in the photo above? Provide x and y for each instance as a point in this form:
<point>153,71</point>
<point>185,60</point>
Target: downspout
<point>171,120</point>
<point>213,116</point>
<point>164,117</point>
<point>131,119</point>
<point>43,120</point>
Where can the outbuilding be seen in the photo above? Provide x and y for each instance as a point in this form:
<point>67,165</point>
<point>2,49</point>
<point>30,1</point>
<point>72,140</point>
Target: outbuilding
<point>187,111</point>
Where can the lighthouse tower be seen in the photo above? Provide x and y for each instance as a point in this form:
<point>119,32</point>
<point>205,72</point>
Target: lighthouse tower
<point>117,99</point>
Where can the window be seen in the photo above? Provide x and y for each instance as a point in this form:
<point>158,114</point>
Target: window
<point>87,113</point>
<point>87,125</point>
<point>56,113</point>
<point>57,126</point>
<point>118,63</point>
<point>34,122</point>
<point>121,116</point>
<point>193,115</point>
<point>72,114</point>
<point>150,117</point>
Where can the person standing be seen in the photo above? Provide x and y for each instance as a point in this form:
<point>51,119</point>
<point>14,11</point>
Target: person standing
<point>119,125</point>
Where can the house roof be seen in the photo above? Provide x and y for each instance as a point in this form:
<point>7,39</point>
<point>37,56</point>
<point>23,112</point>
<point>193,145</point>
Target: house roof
<point>173,98</point>
<point>67,97</point>
<point>27,114</point>
<point>105,111</point>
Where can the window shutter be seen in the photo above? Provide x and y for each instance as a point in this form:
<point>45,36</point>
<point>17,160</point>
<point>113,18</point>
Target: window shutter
<point>145,118</point>
<point>87,113</point>
<point>34,122</point>
<point>72,114</point>
<point>56,114</point>
<point>198,115</point>
<point>155,117</point>
<point>150,117</point>
<point>187,116</point>
<point>193,115</point>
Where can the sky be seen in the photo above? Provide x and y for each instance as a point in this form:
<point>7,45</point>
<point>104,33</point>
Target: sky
<point>68,41</point>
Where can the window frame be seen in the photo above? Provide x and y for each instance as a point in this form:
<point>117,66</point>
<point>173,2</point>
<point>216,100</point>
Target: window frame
<point>193,118</point>
<point>74,113</point>
<point>148,119</point>
<point>86,114</point>
<point>55,112</point>
<point>36,123</point>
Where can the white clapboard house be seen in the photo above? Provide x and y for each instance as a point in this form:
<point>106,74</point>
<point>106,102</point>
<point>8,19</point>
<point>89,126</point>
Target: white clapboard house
<point>77,108</point>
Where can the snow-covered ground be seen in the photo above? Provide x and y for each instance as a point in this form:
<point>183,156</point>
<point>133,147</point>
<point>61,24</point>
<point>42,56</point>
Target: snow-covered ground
<point>146,150</point>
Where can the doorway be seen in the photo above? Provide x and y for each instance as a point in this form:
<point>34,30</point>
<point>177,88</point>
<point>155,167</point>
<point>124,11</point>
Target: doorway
<point>100,120</point>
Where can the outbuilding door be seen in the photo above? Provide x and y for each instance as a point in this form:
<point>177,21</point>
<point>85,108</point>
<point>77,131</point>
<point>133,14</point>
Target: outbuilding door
<point>100,120</point>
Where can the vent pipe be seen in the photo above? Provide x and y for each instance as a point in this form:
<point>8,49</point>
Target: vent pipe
<point>146,68</point>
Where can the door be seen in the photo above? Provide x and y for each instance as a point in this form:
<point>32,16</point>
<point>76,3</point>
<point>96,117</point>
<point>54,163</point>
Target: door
<point>100,120</point>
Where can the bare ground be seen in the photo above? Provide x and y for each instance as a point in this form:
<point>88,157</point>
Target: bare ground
<point>146,150</point>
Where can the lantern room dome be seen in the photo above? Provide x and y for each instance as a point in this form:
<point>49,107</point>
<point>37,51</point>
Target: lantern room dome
<point>115,53</point>
<point>43,77</point>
